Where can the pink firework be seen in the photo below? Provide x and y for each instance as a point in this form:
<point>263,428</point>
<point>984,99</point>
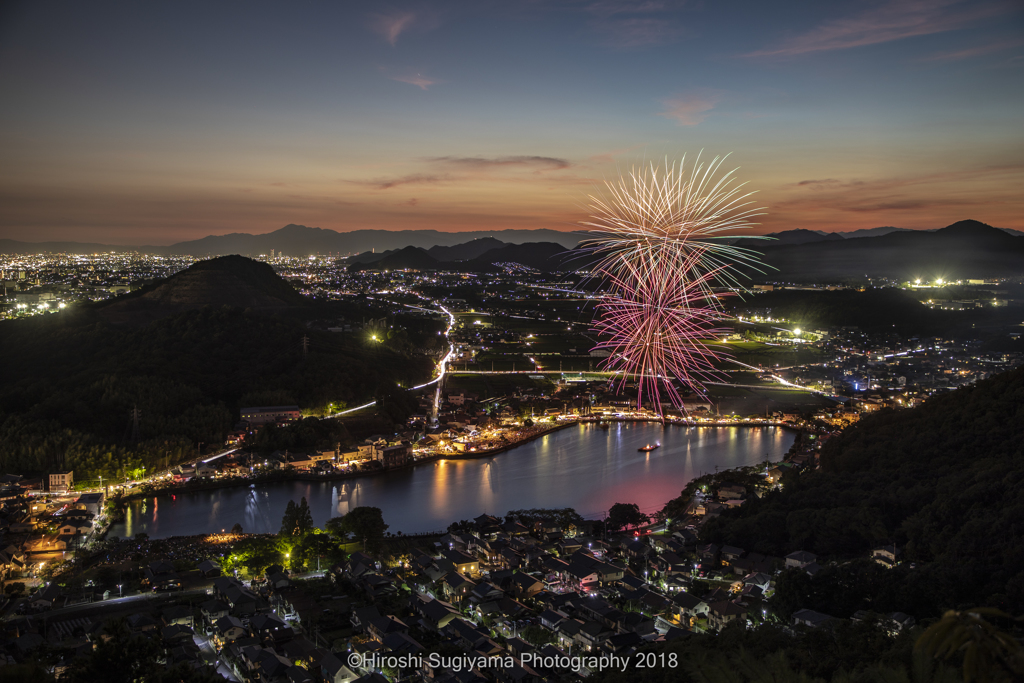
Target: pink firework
<point>656,325</point>
<point>661,238</point>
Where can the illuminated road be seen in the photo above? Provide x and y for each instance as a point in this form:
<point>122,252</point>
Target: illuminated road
<point>442,366</point>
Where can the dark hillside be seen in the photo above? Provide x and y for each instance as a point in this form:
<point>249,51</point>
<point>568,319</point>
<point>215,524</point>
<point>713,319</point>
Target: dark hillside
<point>225,281</point>
<point>71,379</point>
<point>967,249</point>
<point>887,309</point>
<point>466,250</point>
<point>945,481</point>
<point>409,258</point>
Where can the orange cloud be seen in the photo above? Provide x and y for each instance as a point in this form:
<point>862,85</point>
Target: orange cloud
<point>689,110</point>
<point>392,25</point>
<point>417,80</point>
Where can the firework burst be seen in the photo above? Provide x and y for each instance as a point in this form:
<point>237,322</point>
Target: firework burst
<point>671,218</point>
<point>658,236</point>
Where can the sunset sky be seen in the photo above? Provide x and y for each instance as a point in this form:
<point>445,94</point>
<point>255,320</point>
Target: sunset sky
<point>153,123</point>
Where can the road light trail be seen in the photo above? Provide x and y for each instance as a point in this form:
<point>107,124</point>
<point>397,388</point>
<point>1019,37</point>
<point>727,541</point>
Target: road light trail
<point>442,366</point>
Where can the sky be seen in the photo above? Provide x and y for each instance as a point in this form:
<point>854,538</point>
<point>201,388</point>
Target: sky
<point>159,122</point>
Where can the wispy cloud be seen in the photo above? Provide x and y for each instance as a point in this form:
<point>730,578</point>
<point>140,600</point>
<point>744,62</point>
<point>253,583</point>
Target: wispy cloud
<point>412,179</point>
<point>895,20</point>
<point>819,184</point>
<point>635,23</point>
<point>417,80</point>
<point>976,51</point>
<point>691,109</point>
<point>908,193</point>
<point>392,25</point>
<point>477,163</point>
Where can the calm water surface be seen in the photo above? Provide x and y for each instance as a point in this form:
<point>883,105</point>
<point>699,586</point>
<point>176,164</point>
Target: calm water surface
<point>581,467</point>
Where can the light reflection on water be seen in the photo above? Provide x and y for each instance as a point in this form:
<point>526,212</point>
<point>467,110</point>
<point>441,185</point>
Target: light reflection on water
<point>582,467</point>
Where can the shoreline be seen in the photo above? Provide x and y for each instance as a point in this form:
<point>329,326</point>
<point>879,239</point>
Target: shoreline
<point>287,476</point>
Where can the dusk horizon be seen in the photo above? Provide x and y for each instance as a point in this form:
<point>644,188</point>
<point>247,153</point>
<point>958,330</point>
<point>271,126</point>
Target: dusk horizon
<point>150,126</point>
<point>466,341</point>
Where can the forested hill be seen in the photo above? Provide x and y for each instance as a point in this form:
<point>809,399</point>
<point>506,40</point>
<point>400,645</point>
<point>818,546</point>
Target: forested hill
<point>945,481</point>
<point>225,281</point>
<point>71,379</point>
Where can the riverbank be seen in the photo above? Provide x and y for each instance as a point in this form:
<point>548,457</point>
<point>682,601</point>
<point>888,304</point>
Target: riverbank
<point>473,455</point>
<point>586,469</point>
<point>197,485</point>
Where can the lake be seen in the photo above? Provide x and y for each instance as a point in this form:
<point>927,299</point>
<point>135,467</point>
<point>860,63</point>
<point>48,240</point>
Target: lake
<point>582,467</point>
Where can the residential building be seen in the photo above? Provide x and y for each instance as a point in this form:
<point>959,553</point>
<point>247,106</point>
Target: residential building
<point>62,482</point>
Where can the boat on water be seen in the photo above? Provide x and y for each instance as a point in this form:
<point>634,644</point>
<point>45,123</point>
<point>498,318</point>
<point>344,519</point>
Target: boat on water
<point>648,448</point>
<point>603,425</point>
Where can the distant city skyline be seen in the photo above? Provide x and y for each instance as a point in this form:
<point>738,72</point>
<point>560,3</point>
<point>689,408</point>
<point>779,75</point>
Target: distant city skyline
<point>154,124</point>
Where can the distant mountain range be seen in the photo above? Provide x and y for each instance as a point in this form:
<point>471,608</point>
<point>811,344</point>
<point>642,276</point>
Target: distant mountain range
<point>543,256</point>
<point>299,240</point>
<point>965,249</point>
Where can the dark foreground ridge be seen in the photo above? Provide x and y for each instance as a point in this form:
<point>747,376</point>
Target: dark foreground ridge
<point>225,281</point>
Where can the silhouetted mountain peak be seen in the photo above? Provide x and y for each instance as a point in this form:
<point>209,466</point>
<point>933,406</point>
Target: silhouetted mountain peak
<point>224,281</point>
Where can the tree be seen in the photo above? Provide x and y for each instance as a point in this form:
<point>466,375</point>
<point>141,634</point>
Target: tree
<point>14,588</point>
<point>237,529</point>
<point>624,515</point>
<point>303,518</point>
<point>297,520</point>
<point>289,519</point>
<point>364,523</point>
<point>537,635</point>
<point>989,654</point>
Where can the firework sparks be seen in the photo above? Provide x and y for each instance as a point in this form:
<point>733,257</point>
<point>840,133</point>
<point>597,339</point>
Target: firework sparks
<point>655,329</point>
<point>659,238</point>
<point>664,217</point>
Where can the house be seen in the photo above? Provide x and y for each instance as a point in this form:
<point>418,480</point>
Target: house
<point>90,502</point>
<point>176,614</point>
<point>45,598</point>
<point>688,607</point>
<point>75,528</point>
<point>762,581</point>
<point>227,629</point>
<point>888,556</point>
<point>810,618</point>
<point>213,610</point>
<point>161,575</point>
<point>334,670</point>
<point>800,559</point>
<point>456,586</point>
<point>465,564</point>
<point>176,633</point>
<point>725,612</point>
<point>381,627</point>
<point>209,568</point>
<point>270,629</point>
<point>436,613</point>
<point>730,554</point>
<point>525,586</point>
